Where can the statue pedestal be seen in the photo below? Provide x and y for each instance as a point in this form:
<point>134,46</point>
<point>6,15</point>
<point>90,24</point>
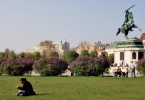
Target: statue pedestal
<point>128,50</point>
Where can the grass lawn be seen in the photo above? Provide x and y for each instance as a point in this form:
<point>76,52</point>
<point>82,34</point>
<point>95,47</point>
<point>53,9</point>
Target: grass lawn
<point>76,88</point>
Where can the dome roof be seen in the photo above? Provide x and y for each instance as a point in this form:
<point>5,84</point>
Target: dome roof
<point>130,43</point>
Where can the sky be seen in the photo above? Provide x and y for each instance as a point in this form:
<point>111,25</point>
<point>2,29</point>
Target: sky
<point>25,23</point>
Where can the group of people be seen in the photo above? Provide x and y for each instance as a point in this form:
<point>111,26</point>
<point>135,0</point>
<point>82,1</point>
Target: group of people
<point>123,71</point>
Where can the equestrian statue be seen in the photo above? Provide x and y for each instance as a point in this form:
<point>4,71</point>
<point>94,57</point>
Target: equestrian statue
<point>128,24</point>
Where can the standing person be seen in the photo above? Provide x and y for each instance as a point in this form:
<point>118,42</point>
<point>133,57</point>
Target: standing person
<point>132,68</point>
<point>126,70</point>
<point>26,88</point>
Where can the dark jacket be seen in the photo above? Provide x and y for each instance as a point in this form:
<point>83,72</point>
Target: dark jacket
<point>28,88</point>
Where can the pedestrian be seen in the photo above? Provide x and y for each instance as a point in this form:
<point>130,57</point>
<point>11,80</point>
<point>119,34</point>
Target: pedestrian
<point>126,70</point>
<point>132,69</point>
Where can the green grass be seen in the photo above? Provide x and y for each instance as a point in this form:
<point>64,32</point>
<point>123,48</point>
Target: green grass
<point>76,88</point>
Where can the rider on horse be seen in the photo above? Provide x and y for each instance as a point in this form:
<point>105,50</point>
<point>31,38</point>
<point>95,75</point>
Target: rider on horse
<point>128,23</point>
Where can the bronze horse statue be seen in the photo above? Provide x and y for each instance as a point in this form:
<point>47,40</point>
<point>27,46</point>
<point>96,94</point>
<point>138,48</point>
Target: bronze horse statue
<point>125,31</point>
<point>128,23</point>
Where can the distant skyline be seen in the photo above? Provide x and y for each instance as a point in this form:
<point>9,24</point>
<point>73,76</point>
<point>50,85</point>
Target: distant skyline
<point>25,23</point>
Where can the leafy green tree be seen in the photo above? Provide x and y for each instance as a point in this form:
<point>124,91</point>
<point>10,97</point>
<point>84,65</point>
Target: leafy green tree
<point>2,54</point>
<point>29,55</point>
<point>104,53</point>
<point>84,53</point>
<point>36,55</point>
<point>70,56</point>
<point>111,58</point>
<point>21,55</point>
<point>11,54</point>
<point>7,53</point>
<point>94,53</point>
<point>52,54</point>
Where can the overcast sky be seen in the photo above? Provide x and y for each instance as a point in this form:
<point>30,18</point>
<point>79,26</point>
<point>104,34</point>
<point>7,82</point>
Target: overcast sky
<point>25,23</point>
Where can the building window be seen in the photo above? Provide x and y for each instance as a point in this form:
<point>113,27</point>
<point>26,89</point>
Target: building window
<point>133,55</point>
<point>140,55</point>
<point>121,55</point>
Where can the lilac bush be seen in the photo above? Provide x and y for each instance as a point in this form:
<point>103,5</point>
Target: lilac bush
<point>141,66</point>
<point>15,67</point>
<point>89,66</point>
<point>50,66</point>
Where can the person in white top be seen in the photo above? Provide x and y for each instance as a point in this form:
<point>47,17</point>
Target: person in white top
<point>132,69</point>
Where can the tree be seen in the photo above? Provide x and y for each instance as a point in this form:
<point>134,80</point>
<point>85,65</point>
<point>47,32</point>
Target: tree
<point>50,66</point>
<point>52,54</point>
<point>7,53</point>
<point>111,58</point>
<point>36,55</point>
<point>89,66</point>
<point>104,53</point>
<point>141,66</point>
<point>70,56</point>
<point>11,54</point>
<point>84,53</point>
<point>105,64</point>
<point>2,54</point>
<point>94,53</point>
<point>29,55</point>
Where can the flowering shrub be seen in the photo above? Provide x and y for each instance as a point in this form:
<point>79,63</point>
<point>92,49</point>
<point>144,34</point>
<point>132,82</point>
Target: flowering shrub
<point>50,66</point>
<point>141,66</point>
<point>89,66</point>
<point>15,67</point>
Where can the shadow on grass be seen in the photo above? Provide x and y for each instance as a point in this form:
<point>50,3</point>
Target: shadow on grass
<point>106,76</point>
<point>41,94</point>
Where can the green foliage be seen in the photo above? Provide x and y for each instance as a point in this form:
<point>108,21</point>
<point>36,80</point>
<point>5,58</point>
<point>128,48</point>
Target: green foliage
<point>27,55</point>
<point>11,54</point>
<point>104,53</point>
<point>2,54</point>
<point>141,66</point>
<point>52,54</point>
<point>21,55</point>
<point>111,58</point>
<point>50,66</point>
<point>89,66</point>
<point>8,54</point>
<point>84,53</point>
<point>36,55</point>
<point>94,53</point>
<point>70,56</point>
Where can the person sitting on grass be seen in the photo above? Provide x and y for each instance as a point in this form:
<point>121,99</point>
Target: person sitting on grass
<point>26,89</point>
<point>119,71</point>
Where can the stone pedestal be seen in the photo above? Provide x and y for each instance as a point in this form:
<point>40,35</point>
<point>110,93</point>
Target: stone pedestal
<point>128,50</point>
